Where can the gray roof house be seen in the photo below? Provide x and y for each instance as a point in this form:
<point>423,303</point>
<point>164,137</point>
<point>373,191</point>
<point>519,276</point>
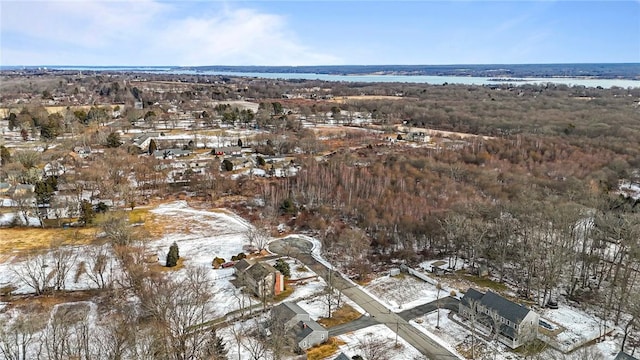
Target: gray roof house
<point>517,324</point>
<point>260,278</point>
<point>341,356</point>
<point>307,332</point>
<point>170,153</point>
<point>624,356</point>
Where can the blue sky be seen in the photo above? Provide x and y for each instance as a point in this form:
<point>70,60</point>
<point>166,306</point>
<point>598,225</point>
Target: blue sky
<point>160,32</point>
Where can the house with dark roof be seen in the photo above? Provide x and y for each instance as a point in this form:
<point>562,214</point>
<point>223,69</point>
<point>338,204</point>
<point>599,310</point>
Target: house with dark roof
<point>260,278</point>
<point>342,356</point>
<point>515,323</point>
<point>306,332</point>
<point>624,356</point>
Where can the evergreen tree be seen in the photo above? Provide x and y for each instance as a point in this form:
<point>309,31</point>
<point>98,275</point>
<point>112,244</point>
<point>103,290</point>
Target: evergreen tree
<point>240,142</point>
<point>86,212</point>
<point>283,267</point>
<point>227,165</point>
<point>173,255</point>
<point>152,146</point>
<point>113,140</point>
<point>215,348</point>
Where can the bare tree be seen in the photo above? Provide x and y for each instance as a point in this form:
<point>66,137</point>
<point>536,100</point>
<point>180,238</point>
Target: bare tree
<point>98,267</point>
<point>35,273</point>
<point>332,297</point>
<point>257,236</point>
<point>18,336</point>
<point>62,261</point>
<point>66,335</point>
<point>373,349</point>
<point>254,342</point>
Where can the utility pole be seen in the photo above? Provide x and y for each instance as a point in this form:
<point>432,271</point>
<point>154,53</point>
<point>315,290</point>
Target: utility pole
<point>439,287</point>
<point>397,328</point>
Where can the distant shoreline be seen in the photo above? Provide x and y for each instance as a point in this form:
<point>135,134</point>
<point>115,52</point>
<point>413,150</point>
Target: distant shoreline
<point>497,72</point>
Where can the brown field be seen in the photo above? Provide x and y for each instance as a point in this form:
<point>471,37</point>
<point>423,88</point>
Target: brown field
<point>20,240</point>
<point>34,239</point>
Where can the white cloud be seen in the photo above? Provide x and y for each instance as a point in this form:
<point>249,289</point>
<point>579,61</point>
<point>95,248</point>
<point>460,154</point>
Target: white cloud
<point>148,32</point>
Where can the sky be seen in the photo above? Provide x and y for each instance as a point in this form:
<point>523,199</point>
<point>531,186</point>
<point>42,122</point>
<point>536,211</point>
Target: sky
<point>198,33</point>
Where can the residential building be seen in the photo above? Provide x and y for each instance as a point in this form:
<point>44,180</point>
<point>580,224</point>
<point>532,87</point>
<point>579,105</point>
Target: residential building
<point>306,332</point>
<point>516,323</point>
<point>260,278</point>
<point>624,356</point>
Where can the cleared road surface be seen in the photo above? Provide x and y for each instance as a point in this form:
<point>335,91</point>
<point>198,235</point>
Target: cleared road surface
<point>301,249</point>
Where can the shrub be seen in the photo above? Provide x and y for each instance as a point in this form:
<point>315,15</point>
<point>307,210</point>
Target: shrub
<point>217,262</point>
<point>227,165</point>
<point>173,255</point>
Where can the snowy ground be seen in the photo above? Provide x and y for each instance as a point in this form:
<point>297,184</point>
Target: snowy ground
<point>201,235</point>
<point>405,291</point>
<point>577,327</point>
<point>379,335</point>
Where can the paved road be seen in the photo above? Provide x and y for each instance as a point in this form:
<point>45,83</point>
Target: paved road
<point>362,322</point>
<point>300,249</point>
<point>357,324</point>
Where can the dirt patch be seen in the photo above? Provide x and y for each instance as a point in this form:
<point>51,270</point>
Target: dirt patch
<point>46,302</point>
<point>160,268</point>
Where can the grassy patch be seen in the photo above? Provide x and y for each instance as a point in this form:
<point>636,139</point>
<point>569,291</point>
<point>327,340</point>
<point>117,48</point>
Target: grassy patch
<point>48,301</point>
<point>288,290</point>
<point>160,268</point>
<point>302,268</point>
<point>343,315</point>
<point>145,218</point>
<point>485,283</point>
<point>325,350</point>
<point>531,348</point>
<point>28,239</point>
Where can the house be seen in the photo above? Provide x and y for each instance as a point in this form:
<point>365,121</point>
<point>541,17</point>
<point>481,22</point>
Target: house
<point>260,278</point>
<point>170,153</point>
<point>142,141</point>
<point>517,323</point>
<point>228,150</point>
<point>24,189</point>
<point>4,187</point>
<point>624,356</point>
<point>82,151</point>
<point>298,324</point>
<point>342,356</point>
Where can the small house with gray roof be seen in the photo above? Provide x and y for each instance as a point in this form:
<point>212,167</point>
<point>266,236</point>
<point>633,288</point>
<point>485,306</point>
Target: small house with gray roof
<point>516,323</point>
<point>299,325</point>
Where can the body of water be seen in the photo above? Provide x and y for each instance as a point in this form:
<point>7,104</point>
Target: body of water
<point>416,79</point>
<point>424,79</point>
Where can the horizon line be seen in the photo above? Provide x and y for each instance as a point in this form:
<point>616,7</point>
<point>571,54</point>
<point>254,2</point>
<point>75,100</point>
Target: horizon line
<point>301,66</point>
